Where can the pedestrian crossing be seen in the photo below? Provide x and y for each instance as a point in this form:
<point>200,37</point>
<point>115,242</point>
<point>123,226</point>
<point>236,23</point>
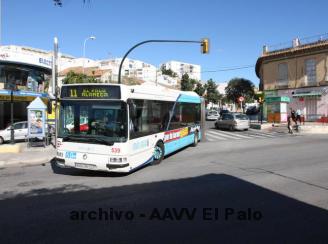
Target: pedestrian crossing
<point>221,135</point>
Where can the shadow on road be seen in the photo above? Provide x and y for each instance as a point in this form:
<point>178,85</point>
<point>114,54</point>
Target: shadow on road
<point>256,215</point>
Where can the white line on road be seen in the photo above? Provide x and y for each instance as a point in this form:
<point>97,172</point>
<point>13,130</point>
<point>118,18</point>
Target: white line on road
<point>216,136</point>
<point>234,134</point>
<point>228,136</point>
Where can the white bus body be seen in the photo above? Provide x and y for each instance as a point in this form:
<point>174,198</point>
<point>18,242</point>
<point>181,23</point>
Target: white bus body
<point>147,123</point>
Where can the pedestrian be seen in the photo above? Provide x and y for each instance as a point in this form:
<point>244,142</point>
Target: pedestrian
<point>289,124</point>
<point>298,115</point>
<point>293,115</point>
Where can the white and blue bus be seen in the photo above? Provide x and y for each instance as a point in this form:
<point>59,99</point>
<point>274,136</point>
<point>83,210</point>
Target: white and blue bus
<point>119,128</point>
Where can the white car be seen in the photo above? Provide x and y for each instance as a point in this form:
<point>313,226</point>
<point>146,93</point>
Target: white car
<point>212,115</point>
<point>20,132</point>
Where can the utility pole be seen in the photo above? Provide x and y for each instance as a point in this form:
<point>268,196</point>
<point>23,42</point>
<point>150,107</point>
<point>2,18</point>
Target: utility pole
<point>55,85</point>
<point>12,136</point>
<point>12,132</point>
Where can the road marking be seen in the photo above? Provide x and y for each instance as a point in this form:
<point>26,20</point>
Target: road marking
<point>234,133</point>
<point>217,133</point>
<point>215,136</point>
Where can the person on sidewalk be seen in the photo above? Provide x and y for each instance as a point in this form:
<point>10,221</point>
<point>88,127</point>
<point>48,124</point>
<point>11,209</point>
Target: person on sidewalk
<point>298,116</point>
<point>289,124</point>
<point>293,115</point>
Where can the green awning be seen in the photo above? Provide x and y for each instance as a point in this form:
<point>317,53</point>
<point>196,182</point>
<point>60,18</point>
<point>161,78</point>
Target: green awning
<point>309,94</point>
<point>277,99</point>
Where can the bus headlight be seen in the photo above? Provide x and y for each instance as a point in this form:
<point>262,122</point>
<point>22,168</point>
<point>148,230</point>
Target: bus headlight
<point>118,160</point>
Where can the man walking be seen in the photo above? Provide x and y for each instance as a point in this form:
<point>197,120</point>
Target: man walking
<point>298,115</point>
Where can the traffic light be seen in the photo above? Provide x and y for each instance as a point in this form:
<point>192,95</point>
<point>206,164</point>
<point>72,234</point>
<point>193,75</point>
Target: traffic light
<point>205,44</point>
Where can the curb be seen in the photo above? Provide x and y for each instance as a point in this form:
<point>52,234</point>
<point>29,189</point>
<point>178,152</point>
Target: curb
<point>21,163</point>
<point>16,148</point>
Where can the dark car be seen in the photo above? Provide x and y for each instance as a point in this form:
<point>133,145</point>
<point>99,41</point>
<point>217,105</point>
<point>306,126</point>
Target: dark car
<point>253,110</point>
<point>224,111</point>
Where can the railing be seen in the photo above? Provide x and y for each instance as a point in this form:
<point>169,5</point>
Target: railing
<point>301,42</point>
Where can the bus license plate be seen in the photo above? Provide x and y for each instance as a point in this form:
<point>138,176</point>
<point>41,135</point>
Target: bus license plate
<point>85,166</point>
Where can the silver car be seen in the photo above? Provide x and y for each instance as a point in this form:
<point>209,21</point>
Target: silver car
<point>233,121</point>
<point>212,115</point>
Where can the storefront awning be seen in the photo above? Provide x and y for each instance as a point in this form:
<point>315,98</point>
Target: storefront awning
<point>277,99</point>
<point>22,96</point>
<point>309,94</point>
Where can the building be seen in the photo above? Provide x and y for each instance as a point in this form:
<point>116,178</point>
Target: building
<point>181,68</point>
<point>107,70</point>
<point>26,71</point>
<point>295,78</point>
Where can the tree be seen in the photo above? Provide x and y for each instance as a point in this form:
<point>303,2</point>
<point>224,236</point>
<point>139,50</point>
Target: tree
<point>73,78</point>
<point>186,83</point>
<point>212,94</point>
<point>168,72</point>
<point>200,89</point>
<point>238,87</point>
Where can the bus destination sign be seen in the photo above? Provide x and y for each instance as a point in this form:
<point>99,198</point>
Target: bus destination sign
<point>91,92</point>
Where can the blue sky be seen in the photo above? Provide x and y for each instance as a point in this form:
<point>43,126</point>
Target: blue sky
<point>237,29</point>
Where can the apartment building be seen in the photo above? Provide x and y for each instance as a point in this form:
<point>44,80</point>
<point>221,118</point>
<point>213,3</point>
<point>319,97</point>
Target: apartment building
<point>181,68</point>
<point>296,76</point>
<point>107,70</point>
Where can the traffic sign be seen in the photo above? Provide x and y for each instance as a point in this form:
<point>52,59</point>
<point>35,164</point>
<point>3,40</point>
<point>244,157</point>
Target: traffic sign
<point>241,99</point>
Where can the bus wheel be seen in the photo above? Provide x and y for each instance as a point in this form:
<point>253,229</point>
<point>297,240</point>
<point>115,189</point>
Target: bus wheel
<point>195,139</point>
<point>158,153</point>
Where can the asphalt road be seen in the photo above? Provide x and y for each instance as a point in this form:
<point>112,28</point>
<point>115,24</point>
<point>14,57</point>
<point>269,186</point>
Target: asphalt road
<point>269,190</point>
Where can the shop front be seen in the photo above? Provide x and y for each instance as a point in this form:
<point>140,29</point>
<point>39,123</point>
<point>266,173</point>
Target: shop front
<point>312,102</point>
<point>28,74</point>
<point>276,108</point>
<point>21,100</point>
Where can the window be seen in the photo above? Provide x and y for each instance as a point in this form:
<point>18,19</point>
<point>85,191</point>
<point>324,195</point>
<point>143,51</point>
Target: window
<point>310,72</point>
<point>241,117</point>
<point>96,120</point>
<point>185,114</point>
<point>227,117</point>
<point>18,126</point>
<point>148,117</point>
<point>282,74</point>
<point>24,77</point>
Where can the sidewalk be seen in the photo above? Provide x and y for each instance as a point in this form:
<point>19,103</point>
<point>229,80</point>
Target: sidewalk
<point>25,156</point>
<point>308,127</point>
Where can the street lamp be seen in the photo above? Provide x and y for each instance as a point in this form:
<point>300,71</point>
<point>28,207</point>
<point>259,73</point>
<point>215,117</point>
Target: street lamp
<point>85,41</point>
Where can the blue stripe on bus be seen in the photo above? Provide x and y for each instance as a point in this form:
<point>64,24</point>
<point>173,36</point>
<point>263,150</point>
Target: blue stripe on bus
<point>188,99</point>
<point>172,146</point>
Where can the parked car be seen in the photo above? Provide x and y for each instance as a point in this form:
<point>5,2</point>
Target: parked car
<point>20,132</point>
<point>252,110</point>
<point>233,121</point>
<point>224,111</point>
<point>212,115</point>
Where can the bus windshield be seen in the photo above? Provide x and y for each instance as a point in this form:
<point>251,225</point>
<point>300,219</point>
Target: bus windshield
<point>103,122</point>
